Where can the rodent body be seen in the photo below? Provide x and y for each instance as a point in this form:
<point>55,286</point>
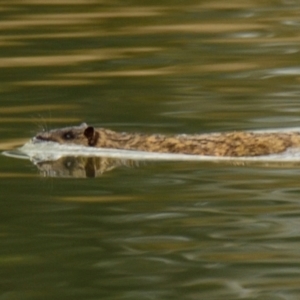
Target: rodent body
<point>234,144</point>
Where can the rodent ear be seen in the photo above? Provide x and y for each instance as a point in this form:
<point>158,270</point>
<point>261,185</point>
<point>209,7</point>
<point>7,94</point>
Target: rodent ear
<point>91,135</point>
<point>89,132</point>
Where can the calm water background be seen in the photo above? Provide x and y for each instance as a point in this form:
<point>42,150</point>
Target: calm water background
<point>163,230</point>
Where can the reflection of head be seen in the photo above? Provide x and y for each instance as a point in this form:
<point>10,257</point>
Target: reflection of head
<point>81,167</point>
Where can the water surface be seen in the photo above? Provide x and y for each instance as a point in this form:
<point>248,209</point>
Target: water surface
<point>160,230</point>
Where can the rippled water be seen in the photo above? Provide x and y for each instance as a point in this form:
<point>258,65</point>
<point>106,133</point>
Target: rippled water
<point>155,230</point>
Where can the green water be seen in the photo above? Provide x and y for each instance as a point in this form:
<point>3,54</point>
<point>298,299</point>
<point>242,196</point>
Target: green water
<point>160,230</point>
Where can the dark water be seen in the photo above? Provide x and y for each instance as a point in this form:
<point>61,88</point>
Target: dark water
<point>162,230</point>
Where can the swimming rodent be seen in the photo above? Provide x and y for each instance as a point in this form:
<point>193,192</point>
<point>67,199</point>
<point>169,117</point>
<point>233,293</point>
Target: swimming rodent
<point>233,144</point>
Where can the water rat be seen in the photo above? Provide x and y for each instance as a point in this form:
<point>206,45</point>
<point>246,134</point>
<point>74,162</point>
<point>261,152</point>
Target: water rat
<point>234,144</point>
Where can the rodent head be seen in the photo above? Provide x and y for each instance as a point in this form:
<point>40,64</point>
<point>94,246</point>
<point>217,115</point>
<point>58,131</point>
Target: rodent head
<point>79,135</point>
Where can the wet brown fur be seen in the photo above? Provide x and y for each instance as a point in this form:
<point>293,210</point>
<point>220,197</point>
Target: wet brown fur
<point>235,144</point>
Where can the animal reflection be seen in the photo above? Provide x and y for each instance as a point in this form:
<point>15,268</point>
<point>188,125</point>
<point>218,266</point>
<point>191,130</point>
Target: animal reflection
<point>81,167</point>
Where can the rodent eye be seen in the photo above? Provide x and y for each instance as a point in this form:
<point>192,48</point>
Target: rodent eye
<point>68,135</point>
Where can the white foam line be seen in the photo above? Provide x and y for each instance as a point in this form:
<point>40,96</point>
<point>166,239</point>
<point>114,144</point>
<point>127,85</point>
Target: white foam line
<point>53,151</point>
